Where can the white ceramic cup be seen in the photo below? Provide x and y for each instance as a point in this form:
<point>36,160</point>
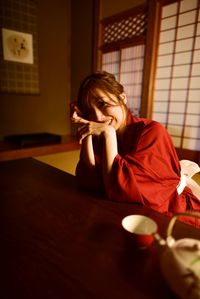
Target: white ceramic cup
<point>140,229</point>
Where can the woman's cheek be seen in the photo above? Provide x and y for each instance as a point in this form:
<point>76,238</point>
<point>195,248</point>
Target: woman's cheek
<point>110,110</point>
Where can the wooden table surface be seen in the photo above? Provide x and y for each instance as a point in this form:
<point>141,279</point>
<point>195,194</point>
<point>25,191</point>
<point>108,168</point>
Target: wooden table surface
<point>60,242</point>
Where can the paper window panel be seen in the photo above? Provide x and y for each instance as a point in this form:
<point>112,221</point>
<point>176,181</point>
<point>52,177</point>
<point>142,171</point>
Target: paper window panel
<point>132,65</point>
<point>196,56</point>
<point>129,90</point>
<point>169,10</point>
<point>132,52</point>
<point>131,78</point>
<point>195,82</point>
<point>185,31</point>
<point>196,69</point>
<point>161,95</point>
<point>191,132</point>
<point>160,117</point>
<point>168,23</point>
<point>117,76</point>
<point>194,95</point>
<point>134,105</point>
<point>162,84</point>
<point>188,5</point>
<point>133,90</point>
<point>182,58</point>
<point>182,69</point>
<point>111,57</point>
<point>198,29</point>
<point>111,68</point>
<point>165,60</point>
<point>184,45</point>
<point>127,65</point>
<point>176,141</point>
<point>167,48</point>
<point>177,107</point>
<point>175,130</point>
<point>179,70</point>
<point>191,144</point>
<point>161,106</point>
<point>137,89</point>
<point>179,83</point>
<point>164,72</point>
<point>176,119</point>
<point>197,43</point>
<point>167,36</point>
<point>192,120</point>
<point>187,18</point>
<point>179,95</point>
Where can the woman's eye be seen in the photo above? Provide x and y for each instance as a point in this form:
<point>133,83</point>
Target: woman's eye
<point>102,104</point>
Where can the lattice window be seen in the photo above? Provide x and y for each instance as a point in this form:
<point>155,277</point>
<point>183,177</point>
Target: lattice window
<point>126,28</point>
<point>177,85</point>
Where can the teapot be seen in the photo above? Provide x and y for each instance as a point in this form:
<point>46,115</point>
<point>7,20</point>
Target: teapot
<point>180,262</point>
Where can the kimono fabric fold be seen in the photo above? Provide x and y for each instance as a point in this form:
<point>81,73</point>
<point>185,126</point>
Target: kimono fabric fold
<point>146,170</point>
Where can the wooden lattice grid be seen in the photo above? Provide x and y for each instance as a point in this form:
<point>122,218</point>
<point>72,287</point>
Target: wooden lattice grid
<point>126,28</point>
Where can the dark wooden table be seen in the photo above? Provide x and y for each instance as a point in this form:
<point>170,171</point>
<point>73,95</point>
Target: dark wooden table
<point>60,242</point>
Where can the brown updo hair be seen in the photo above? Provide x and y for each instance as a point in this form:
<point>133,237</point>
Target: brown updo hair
<point>100,80</point>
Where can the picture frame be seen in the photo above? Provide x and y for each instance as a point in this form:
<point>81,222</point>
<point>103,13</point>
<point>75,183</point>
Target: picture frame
<point>17,46</point>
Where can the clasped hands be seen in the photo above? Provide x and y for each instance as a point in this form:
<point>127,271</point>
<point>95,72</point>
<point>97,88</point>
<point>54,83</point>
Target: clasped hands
<point>87,127</point>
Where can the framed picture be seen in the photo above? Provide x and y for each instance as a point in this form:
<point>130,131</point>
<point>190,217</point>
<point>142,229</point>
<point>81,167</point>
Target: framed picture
<point>19,62</point>
<point>17,46</point>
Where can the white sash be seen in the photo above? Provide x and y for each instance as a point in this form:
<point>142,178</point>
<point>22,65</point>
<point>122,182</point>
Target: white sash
<point>188,169</point>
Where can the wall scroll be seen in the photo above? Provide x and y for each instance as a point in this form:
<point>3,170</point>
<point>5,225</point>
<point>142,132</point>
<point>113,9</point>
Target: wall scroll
<point>17,46</point>
<point>19,67</point>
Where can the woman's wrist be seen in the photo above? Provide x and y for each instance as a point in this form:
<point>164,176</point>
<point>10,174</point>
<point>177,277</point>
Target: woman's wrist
<point>109,131</point>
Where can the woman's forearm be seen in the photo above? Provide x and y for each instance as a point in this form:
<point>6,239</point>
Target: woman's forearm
<point>109,153</point>
<point>87,152</point>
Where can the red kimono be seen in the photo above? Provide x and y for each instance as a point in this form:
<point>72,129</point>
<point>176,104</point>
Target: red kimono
<point>146,169</point>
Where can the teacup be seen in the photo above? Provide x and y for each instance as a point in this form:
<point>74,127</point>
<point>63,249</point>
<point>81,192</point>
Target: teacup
<point>140,229</point>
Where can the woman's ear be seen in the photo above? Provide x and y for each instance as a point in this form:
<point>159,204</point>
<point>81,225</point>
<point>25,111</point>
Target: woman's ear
<point>123,97</point>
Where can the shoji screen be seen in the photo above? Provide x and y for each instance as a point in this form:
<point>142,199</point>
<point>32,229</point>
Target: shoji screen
<point>177,85</point>
<point>127,65</point>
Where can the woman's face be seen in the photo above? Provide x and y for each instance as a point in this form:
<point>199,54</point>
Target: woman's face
<point>107,108</point>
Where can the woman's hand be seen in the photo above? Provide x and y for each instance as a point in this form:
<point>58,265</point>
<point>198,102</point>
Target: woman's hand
<point>87,127</point>
<point>93,128</point>
<point>75,114</point>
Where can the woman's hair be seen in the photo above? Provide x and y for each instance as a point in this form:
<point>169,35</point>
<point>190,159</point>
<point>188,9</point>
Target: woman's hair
<point>89,87</point>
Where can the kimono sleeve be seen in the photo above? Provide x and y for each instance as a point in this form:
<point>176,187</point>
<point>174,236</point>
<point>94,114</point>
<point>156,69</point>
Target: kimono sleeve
<point>149,172</point>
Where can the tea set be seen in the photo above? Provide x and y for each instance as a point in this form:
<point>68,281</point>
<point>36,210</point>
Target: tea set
<point>183,255</point>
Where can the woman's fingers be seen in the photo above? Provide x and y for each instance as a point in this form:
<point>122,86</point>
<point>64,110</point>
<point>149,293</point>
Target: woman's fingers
<point>78,119</point>
<point>83,131</point>
<point>75,114</point>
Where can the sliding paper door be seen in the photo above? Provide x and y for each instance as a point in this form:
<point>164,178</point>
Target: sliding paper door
<point>177,84</point>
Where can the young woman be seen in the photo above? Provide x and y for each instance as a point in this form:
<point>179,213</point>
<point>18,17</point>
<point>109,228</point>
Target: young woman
<point>132,159</point>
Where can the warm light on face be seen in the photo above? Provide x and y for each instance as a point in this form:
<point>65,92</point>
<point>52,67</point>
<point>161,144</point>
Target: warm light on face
<point>107,107</point>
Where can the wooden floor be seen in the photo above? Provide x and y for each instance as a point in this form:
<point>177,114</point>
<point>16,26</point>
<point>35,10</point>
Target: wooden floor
<point>65,161</point>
